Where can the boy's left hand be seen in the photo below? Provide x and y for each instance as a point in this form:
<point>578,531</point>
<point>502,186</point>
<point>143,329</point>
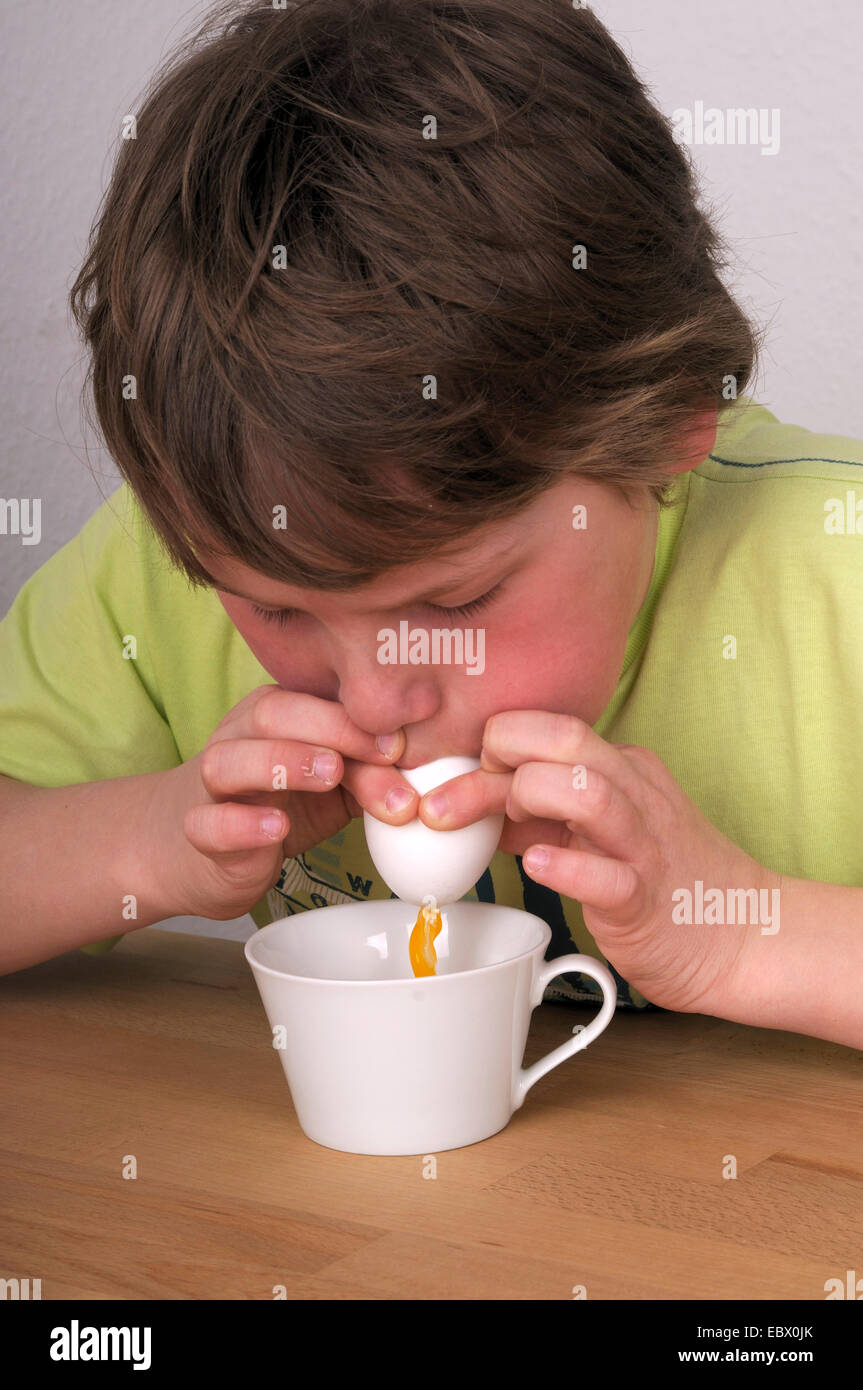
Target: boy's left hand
<point>621,844</point>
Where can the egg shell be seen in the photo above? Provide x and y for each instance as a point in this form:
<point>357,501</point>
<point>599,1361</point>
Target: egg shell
<point>414,860</point>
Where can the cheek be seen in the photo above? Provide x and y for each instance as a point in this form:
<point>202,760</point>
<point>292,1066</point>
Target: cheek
<point>259,638</point>
<point>273,647</point>
<point>568,665</point>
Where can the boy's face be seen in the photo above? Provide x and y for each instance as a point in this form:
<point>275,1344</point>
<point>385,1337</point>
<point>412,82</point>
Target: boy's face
<point>554,633</point>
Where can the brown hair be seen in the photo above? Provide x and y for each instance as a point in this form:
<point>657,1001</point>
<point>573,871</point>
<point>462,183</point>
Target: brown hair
<point>406,258</point>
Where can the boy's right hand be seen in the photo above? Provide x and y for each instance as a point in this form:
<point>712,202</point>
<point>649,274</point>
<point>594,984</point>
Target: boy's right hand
<point>204,843</point>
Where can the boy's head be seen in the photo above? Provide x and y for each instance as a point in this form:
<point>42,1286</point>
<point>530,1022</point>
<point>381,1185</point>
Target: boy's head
<point>393,276</point>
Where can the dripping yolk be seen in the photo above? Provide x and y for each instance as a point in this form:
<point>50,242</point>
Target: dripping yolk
<point>421,947</point>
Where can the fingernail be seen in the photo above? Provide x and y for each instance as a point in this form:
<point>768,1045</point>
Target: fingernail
<point>437,805</point>
<point>398,799</point>
<point>535,859</point>
<point>324,767</point>
<point>388,743</point>
<point>274,826</point>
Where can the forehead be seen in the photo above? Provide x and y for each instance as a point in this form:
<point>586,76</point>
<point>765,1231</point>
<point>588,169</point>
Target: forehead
<point>471,557</point>
<point>474,557</point>
<point>233,577</point>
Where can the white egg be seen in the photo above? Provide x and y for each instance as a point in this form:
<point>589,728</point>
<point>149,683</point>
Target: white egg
<point>414,860</point>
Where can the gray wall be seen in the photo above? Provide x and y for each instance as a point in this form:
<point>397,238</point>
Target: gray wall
<point>72,72</point>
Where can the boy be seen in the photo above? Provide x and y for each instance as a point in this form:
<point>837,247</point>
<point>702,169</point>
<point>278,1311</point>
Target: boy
<point>400,314</point>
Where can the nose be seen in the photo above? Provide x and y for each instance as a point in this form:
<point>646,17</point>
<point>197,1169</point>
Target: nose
<point>383,698</point>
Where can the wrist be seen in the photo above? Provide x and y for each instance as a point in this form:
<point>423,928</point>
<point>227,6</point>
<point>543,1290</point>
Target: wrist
<point>150,871</point>
<point>747,977</point>
<point>754,991</point>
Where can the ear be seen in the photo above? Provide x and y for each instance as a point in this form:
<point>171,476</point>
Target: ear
<point>697,442</point>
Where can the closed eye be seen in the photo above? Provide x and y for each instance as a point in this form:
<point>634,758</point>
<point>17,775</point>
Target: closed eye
<point>466,609</point>
<point>284,616</point>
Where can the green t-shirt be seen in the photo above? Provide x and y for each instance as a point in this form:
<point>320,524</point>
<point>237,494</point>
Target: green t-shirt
<point>763,549</point>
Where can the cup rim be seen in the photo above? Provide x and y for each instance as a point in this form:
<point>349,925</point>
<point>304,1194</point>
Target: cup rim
<point>402,980</point>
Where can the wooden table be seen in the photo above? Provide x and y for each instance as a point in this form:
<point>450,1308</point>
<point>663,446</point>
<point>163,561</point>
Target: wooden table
<point>610,1176</point>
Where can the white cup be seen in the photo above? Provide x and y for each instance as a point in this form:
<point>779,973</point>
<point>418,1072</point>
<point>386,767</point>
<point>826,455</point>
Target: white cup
<point>379,1061</point>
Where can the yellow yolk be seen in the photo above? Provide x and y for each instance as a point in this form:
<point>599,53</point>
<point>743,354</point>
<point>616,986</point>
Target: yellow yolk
<point>421,946</point>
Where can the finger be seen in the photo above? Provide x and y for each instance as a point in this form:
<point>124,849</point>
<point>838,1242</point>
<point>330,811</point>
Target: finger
<point>245,766</point>
<point>518,736</point>
<point>591,879</point>
<point>599,809</point>
<point>464,799</point>
<point>226,828</point>
<point>382,791</point>
<point>235,766</point>
<point>648,765</point>
<point>517,837</point>
<point>289,714</point>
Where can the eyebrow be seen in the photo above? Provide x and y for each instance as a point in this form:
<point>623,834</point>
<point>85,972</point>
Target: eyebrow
<point>417,598</point>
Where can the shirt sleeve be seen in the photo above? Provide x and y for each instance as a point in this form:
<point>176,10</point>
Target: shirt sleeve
<point>73,704</point>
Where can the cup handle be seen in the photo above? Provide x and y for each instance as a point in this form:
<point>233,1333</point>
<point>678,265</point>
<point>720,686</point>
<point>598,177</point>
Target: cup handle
<point>524,1077</point>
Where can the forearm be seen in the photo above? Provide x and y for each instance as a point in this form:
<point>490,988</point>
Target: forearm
<point>808,976</point>
<point>68,863</point>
